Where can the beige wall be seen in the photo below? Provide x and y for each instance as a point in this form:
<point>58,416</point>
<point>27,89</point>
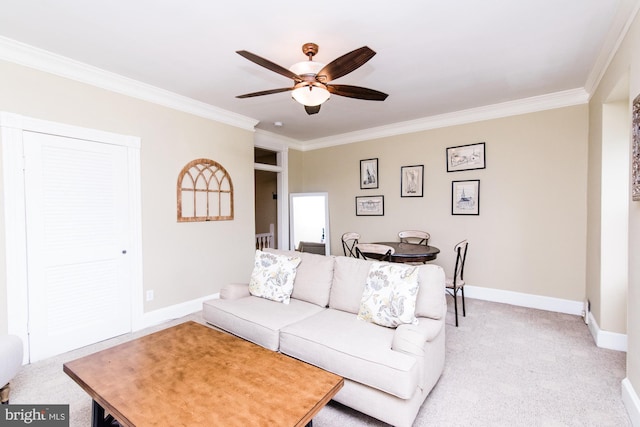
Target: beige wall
<point>530,234</point>
<point>626,63</point>
<point>182,261</point>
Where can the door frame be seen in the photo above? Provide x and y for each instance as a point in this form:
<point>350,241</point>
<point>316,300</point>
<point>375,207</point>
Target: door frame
<point>12,127</point>
<point>281,170</point>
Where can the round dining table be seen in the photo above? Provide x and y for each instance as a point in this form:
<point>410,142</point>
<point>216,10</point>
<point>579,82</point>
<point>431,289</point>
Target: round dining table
<point>411,252</point>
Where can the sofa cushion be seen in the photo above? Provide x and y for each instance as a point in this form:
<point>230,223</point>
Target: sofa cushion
<point>338,342</point>
<point>349,276</point>
<point>389,297</point>
<point>430,296</point>
<point>234,291</point>
<point>256,319</point>
<point>273,275</point>
<point>313,277</point>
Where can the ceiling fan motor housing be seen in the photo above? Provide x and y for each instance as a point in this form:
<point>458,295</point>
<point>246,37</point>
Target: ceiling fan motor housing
<point>310,49</point>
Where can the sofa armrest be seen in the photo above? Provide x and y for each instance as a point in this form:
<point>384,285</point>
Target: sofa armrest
<point>409,339</point>
<point>235,291</point>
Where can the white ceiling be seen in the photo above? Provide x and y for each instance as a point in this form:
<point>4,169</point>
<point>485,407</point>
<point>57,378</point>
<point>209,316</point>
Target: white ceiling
<point>433,56</point>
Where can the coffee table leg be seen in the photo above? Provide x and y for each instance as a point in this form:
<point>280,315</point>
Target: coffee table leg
<point>98,419</point>
<point>97,415</point>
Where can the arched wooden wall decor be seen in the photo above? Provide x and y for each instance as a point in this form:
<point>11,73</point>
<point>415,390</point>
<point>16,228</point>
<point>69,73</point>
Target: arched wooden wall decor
<point>635,177</point>
<point>205,192</point>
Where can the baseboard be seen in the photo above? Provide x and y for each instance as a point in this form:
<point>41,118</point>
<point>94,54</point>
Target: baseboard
<point>172,312</point>
<point>606,339</point>
<point>631,402</point>
<point>525,300</point>
<point>603,339</point>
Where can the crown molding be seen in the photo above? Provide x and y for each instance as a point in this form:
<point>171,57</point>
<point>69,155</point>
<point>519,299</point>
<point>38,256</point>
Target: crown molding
<point>29,56</point>
<point>625,16</point>
<point>32,57</point>
<point>273,141</point>
<point>505,109</point>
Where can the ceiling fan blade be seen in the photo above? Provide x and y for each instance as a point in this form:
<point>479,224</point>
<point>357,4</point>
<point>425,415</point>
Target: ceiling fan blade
<point>312,110</point>
<point>269,65</point>
<point>357,92</point>
<point>264,92</point>
<point>345,64</point>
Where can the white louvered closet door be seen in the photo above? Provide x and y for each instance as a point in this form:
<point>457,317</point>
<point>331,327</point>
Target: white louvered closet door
<point>77,214</point>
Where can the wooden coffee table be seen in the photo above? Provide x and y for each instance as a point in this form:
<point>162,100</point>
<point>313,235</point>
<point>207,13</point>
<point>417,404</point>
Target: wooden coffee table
<point>193,375</point>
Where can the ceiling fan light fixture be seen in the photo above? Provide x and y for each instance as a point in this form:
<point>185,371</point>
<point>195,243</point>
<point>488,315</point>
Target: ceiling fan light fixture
<point>310,95</point>
<point>306,68</point>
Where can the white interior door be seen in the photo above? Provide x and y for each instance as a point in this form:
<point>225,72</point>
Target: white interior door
<point>77,235</point>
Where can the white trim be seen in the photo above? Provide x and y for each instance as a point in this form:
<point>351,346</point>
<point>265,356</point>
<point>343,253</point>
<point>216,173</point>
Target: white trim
<point>267,168</point>
<point>29,56</point>
<point>631,402</point>
<point>522,106</point>
<point>619,29</point>
<point>525,300</point>
<point>173,312</point>
<point>606,339</point>
<point>16,121</point>
<point>273,142</point>
<point>135,203</point>
<point>23,54</point>
<point>15,239</point>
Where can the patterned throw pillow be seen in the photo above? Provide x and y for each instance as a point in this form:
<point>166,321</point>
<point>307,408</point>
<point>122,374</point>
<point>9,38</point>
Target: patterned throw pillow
<point>389,297</point>
<point>273,275</point>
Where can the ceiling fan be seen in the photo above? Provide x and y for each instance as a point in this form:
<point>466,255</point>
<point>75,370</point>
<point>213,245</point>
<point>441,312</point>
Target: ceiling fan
<point>311,79</point>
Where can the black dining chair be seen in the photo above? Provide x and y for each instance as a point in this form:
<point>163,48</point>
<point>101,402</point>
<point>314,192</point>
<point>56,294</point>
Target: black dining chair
<point>456,282</point>
<point>349,241</point>
<point>374,251</point>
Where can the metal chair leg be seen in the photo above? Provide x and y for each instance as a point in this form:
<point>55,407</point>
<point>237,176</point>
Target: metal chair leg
<point>455,304</point>
<point>464,312</point>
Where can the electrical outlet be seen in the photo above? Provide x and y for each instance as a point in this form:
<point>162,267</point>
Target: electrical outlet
<point>150,295</point>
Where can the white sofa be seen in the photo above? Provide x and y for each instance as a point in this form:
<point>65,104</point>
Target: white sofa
<point>388,372</point>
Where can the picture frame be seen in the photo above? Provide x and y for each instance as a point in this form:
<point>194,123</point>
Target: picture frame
<point>369,205</point>
<point>368,173</point>
<point>466,157</point>
<point>635,166</point>
<point>412,181</point>
<point>465,197</point>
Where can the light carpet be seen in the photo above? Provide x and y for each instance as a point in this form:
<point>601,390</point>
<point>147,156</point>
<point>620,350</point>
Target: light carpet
<point>505,366</point>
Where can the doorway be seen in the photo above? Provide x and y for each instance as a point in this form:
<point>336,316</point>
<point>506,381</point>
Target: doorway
<point>271,192</point>
<point>266,199</point>
<point>72,234</point>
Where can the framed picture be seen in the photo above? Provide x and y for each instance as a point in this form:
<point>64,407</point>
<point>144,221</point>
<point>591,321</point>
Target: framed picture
<point>369,205</point>
<point>411,181</point>
<point>368,173</point>
<point>635,166</point>
<point>465,197</point>
<point>466,157</point>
